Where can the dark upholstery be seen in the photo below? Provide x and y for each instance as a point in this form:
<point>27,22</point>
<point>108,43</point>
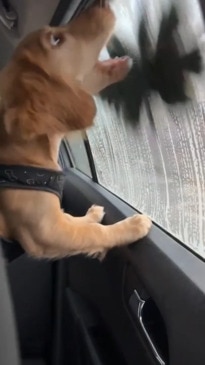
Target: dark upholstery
<point>33,362</point>
<point>31,285</point>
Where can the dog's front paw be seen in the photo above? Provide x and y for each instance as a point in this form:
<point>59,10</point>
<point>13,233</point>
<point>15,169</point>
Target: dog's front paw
<point>95,213</point>
<point>139,226</point>
<point>115,69</point>
<point>118,68</point>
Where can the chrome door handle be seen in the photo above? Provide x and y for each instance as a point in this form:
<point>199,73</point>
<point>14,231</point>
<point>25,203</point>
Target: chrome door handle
<point>136,304</point>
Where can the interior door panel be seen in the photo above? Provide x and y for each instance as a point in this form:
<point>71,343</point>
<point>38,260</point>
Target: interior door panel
<point>161,271</point>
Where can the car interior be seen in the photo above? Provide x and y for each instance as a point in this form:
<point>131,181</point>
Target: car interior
<point>142,305</point>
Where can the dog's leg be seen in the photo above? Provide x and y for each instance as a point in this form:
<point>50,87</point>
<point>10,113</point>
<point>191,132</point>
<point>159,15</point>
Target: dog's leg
<point>94,214</point>
<point>57,237</point>
<point>106,73</point>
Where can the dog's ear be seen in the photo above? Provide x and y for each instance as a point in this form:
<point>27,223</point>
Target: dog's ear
<point>36,104</point>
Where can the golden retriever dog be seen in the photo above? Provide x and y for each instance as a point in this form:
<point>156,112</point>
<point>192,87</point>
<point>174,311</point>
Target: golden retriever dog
<point>46,92</point>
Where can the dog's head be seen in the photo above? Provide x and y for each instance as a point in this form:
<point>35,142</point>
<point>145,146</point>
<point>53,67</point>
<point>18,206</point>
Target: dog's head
<point>42,86</point>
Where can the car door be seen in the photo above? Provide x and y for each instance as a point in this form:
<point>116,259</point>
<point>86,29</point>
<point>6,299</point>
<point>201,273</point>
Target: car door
<point>149,297</point>
<point>143,304</point>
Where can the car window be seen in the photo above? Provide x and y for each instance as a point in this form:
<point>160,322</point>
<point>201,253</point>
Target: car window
<point>78,152</point>
<point>157,164</point>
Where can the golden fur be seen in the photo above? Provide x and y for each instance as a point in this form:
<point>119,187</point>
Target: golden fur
<point>46,92</point>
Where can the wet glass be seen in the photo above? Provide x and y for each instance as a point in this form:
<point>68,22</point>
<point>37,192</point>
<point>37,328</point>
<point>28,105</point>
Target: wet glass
<point>158,163</point>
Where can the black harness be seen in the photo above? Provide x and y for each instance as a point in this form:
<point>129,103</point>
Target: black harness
<point>29,178</point>
<point>32,178</point>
